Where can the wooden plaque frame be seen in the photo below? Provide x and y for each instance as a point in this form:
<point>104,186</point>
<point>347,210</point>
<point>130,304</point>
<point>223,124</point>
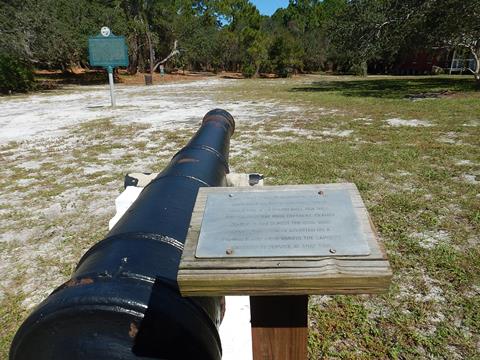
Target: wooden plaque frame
<point>284,275</point>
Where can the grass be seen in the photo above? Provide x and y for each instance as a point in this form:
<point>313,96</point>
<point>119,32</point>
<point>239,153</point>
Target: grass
<point>412,184</point>
<point>420,185</point>
<point>392,88</point>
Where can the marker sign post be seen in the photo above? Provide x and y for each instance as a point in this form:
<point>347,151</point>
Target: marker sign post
<point>108,51</point>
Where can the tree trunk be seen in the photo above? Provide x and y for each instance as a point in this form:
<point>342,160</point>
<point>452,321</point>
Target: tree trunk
<point>476,72</point>
<point>150,48</point>
<point>364,67</point>
<point>475,50</point>
<point>133,65</point>
<point>141,62</point>
<point>257,71</point>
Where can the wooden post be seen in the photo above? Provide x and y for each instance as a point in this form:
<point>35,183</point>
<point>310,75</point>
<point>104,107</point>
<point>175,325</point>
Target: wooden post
<point>279,327</point>
<point>277,284</point>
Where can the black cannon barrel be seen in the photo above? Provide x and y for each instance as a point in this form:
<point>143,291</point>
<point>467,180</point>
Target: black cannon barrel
<point>123,301</point>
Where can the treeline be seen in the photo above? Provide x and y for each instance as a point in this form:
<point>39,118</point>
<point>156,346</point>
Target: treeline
<point>231,35</point>
<point>211,35</point>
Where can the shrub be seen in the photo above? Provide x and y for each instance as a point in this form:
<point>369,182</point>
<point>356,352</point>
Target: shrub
<point>248,70</point>
<point>15,75</point>
<point>284,71</point>
<point>359,69</point>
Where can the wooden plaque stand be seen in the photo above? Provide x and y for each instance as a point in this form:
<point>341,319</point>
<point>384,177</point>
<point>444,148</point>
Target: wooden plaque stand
<point>278,286</point>
<point>279,327</point>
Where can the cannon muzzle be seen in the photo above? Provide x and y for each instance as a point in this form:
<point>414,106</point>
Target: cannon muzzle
<point>123,301</point>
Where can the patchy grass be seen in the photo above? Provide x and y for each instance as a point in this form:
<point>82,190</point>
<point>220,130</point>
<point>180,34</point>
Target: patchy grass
<point>59,206</point>
<point>421,185</point>
<point>413,88</point>
<point>414,186</point>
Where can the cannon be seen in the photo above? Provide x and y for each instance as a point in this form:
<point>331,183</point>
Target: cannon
<point>123,301</point>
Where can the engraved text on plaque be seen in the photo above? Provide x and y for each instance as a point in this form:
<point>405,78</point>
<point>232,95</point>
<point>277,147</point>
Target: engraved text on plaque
<point>277,223</point>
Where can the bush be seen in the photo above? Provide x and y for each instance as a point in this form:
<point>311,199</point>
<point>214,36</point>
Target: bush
<point>248,70</point>
<point>359,69</point>
<point>15,75</point>
<point>284,72</point>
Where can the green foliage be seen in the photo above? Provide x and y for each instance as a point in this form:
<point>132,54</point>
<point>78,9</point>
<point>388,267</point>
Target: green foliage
<point>248,70</point>
<point>370,30</point>
<point>359,69</point>
<point>15,75</point>
<point>213,35</point>
<point>286,54</point>
<point>53,33</point>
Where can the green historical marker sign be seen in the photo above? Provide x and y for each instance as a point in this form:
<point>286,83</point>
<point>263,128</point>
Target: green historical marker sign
<point>108,51</point>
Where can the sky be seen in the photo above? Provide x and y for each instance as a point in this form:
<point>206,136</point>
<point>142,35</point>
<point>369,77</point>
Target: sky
<point>268,7</point>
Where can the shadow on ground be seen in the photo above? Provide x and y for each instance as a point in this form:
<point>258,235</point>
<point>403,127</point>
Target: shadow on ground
<point>393,88</point>
<point>55,80</point>
<point>84,78</point>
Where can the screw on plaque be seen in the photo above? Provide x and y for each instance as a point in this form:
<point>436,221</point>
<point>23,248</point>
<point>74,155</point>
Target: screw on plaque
<point>229,251</point>
<point>332,251</point>
<point>230,195</point>
<point>321,192</point>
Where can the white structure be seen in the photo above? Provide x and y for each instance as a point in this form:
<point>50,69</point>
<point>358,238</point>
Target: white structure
<point>462,64</point>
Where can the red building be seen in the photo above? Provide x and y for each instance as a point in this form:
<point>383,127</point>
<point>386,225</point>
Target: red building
<point>421,62</point>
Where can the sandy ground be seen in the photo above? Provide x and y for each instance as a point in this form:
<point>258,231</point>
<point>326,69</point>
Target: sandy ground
<point>64,153</point>
<point>60,180</point>
<point>164,106</point>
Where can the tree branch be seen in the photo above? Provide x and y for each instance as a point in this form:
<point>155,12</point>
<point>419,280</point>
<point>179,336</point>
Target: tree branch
<point>172,53</point>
